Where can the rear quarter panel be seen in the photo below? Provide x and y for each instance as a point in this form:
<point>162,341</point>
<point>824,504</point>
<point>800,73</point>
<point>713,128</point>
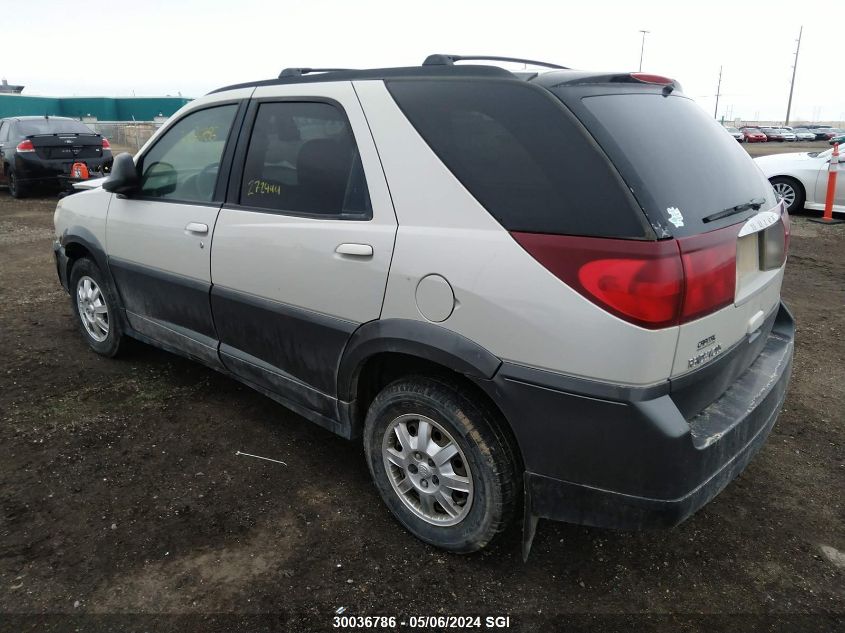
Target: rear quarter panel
<point>504,299</point>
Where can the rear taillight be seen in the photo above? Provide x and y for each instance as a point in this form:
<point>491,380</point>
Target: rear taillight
<point>709,263</point>
<point>652,284</point>
<point>25,146</point>
<point>106,144</point>
<point>773,243</point>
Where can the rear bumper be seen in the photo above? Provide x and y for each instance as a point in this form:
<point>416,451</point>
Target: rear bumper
<point>32,170</point>
<point>629,458</point>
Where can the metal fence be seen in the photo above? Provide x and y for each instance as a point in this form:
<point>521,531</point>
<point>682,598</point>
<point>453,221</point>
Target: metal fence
<point>125,136</point>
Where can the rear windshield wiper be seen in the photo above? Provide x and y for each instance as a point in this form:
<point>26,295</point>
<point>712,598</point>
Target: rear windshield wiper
<point>754,203</point>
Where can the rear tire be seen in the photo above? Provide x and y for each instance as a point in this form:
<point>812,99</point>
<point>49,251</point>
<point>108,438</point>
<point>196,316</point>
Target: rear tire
<point>440,464</point>
<point>94,307</point>
<point>791,191</point>
<point>16,189</point>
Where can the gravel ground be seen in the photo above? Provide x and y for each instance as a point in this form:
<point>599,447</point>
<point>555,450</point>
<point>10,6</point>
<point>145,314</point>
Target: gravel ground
<point>125,507</point>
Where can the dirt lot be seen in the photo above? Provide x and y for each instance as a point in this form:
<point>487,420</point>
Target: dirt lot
<point>122,494</point>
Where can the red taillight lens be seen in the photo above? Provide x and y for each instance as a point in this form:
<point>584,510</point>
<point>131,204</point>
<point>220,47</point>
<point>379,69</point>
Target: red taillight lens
<point>645,291</point>
<point>651,284</point>
<point>106,144</point>
<point>25,146</point>
<point>709,263</point>
<point>641,282</point>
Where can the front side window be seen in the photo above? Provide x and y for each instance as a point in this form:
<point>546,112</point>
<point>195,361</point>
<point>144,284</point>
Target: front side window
<point>302,159</point>
<point>183,164</point>
<point>4,131</point>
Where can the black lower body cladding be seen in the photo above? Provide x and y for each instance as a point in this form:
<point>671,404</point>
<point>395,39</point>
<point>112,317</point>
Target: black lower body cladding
<point>631,459</point>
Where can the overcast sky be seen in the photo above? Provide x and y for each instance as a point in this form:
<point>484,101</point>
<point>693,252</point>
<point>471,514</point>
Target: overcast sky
<point>157,47</point>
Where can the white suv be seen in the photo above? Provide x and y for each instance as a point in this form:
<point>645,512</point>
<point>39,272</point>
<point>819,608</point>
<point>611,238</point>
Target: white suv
<point>520,289</point>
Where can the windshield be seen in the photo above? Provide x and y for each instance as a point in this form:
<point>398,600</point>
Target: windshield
<point>732,129</point>
<point>677,184</point>
<point>52,126</point>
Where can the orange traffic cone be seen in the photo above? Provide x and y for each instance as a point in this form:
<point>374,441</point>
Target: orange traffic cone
<point>832,170</point>
<point>80,171</point>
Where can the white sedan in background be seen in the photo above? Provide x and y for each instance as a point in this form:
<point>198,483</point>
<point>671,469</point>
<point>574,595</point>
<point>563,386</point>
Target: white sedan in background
<point>801,179</point>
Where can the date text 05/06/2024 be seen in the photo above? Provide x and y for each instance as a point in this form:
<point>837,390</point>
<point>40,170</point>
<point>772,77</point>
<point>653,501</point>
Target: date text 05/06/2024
<point>421,622</point>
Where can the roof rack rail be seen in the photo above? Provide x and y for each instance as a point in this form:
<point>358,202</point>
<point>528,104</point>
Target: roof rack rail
<point>298,72</point>
<point>448,60</point>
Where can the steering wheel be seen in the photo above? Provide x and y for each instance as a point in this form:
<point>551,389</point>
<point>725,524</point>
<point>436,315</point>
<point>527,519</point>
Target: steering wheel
<point>201,184</point>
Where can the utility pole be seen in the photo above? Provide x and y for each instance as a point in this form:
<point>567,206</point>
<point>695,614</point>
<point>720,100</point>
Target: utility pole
<point>794,69</point>
<point>718,94</point>
<point>642,48</point>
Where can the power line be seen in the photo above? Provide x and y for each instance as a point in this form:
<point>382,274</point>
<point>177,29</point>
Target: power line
<point>794,70</point>
<point>718,94</point>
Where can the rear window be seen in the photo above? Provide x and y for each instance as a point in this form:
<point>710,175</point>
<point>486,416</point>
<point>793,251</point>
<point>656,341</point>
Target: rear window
<point>677,160</point>
<point>522,155</point>
<point>52,126</point>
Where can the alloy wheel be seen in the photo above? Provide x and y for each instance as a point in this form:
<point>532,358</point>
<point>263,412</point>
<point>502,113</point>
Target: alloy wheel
<point>92,307</point>
<point>427,469</point>
<point>785,192</point>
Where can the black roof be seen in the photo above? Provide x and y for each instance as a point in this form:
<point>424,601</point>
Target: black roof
<point>442,66</point>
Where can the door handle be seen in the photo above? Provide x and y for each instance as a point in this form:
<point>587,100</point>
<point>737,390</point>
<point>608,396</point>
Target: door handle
<point>197,227</point>
<point>357,250</point>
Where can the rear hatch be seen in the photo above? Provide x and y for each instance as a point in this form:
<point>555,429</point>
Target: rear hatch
<point>67,146</point>
<point>699,188</point>
<point>631,195</point>
<point>61,139</point>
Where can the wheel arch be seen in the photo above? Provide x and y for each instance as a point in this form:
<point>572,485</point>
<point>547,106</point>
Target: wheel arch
<point>382,351</point>
<point>79,242</point>
<point>416,339</point>
<point>794,179</point>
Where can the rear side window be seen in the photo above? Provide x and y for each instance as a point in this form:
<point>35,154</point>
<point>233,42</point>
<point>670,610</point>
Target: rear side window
<point>681,165</point>
<point>521,155</point>
<point>302,159</point>
<point>52,126</point>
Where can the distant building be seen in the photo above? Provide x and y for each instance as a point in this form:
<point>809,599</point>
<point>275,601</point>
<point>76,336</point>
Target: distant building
<point>89,108</point>
<point>7,88</point>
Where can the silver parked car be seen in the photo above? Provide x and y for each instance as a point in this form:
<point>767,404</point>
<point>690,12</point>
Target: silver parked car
<point>803,134</point>
<point>518,291</point>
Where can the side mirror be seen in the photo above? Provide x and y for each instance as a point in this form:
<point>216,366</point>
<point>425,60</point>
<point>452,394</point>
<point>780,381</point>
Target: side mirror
<point>124,175</point>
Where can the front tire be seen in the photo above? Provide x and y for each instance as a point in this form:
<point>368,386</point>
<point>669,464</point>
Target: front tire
<point>94,308</point>
<point>790,191</point>
<point>440,464</point>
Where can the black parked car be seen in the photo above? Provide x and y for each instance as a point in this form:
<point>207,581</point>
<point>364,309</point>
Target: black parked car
<point>38,151</point>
